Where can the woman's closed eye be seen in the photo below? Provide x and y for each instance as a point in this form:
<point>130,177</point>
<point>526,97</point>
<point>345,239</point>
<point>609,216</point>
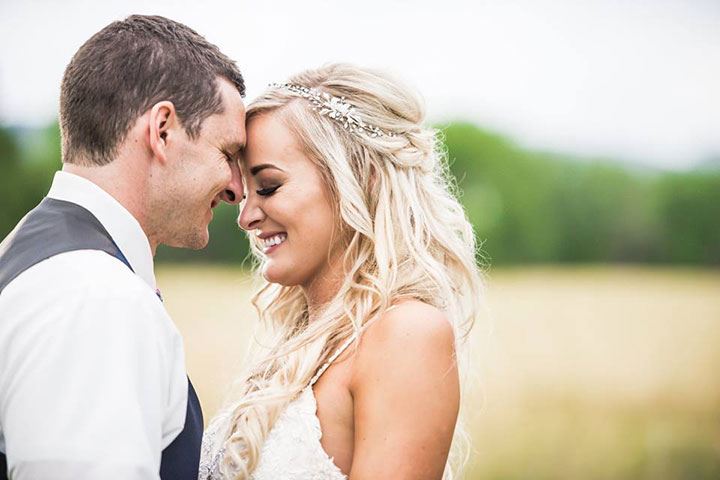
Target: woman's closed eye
<point>265,192</point>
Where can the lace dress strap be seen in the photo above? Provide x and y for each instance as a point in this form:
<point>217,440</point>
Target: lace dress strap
<point>332,358</point>
<point>339,351</point>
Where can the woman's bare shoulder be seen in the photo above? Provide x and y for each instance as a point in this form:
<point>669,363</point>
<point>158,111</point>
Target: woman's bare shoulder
<point>406,394</point>
<point>412,336</point>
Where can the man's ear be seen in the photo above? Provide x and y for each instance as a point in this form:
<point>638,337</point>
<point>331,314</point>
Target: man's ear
<point>163,126</point>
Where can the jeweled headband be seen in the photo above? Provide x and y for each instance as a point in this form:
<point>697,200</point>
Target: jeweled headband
<point>336,108</point>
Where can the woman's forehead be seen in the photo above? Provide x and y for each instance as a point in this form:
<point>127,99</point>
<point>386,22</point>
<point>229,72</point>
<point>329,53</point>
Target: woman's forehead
<point>270,141</point>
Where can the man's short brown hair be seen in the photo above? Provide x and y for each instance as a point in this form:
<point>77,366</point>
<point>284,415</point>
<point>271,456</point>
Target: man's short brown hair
<point>127,67</point>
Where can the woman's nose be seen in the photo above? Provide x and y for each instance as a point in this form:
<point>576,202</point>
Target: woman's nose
<point>251,215</point>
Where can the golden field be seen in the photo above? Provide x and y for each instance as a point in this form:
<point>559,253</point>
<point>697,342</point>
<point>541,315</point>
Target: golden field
<point>577,373</point>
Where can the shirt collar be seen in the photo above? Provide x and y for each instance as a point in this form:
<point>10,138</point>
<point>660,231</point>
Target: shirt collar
<point>120,224</point>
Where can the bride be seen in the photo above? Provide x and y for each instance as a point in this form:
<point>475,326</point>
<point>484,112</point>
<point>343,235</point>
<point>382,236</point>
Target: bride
<point>370,288</point>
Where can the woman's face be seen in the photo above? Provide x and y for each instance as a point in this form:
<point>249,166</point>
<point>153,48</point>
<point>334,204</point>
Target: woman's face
<point>288,206</point>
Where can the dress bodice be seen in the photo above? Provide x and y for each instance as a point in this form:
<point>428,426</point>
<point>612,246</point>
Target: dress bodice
<point>292,449</point>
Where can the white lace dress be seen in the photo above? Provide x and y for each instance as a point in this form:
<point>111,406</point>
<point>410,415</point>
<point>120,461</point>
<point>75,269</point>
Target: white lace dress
<point>292,450</point>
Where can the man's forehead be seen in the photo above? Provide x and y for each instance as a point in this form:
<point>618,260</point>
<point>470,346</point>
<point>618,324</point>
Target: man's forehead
<point>236,125</point>
<point>230,130</point>
<point>231,98</point>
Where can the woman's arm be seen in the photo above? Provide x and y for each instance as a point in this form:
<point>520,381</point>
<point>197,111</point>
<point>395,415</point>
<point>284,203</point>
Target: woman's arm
<point>406,395</point>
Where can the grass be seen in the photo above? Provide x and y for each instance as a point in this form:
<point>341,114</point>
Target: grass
<point>577,373</point>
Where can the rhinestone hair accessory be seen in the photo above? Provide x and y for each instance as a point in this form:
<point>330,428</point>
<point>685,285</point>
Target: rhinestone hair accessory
<point>336,108</point>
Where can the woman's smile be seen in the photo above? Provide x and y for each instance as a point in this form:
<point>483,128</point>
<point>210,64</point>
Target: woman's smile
<point>272,241</point>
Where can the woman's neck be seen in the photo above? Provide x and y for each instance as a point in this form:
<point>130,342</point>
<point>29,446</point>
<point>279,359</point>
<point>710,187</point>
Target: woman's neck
<point>322,288</point>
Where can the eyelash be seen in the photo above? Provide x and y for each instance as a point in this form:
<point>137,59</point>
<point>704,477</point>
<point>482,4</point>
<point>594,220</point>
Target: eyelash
<point>266,192</point>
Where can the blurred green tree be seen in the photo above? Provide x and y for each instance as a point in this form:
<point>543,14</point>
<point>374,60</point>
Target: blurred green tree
<point>689,209</point>
<point>526,206</point>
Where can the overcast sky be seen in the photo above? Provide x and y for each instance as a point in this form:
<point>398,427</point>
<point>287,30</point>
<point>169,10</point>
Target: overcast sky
<point>634,80</point>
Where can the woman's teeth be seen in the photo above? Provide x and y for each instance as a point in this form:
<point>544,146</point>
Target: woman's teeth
<point>274,240</point>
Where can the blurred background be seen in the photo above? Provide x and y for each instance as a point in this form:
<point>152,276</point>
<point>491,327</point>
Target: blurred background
<point>585,140</point>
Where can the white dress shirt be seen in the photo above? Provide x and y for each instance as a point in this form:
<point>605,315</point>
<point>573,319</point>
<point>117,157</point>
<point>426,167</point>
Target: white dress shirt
<point>92,368</point>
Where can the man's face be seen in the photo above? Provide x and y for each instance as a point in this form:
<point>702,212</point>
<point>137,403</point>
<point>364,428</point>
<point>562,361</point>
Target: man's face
<point>202,173</point>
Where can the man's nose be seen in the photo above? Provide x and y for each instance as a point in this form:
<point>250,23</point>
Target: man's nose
<point>233,193</point>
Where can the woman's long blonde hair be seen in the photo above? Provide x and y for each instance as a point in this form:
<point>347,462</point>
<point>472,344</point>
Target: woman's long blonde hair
<point>406,236</point>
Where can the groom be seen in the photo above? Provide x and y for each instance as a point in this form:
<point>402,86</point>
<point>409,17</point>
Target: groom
<point>92,369</point>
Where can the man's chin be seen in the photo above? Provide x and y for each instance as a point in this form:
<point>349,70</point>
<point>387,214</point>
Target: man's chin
<point>199,242</point>
<point>194,241</point>
<point>199,245</point>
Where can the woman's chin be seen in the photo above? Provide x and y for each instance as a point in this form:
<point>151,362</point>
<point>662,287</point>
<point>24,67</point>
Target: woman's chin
<point>276,274</point>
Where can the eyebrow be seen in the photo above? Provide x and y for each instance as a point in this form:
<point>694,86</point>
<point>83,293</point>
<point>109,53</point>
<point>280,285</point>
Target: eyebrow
<point>233,148</point>
<point>258,168</point>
